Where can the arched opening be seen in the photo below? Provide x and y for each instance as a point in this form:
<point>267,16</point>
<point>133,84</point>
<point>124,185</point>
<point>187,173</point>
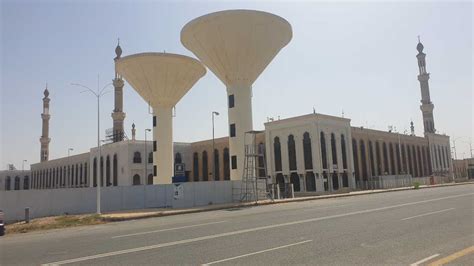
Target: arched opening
<point>8,183</point>
<point>137,157</point>
<point>310,181</point>
<point>335,181</point>
<point>363,157</point>
<point>226,164</point>
<point>385,159</point>
<point>410,163</point>
<point>205,170</point>
<point>177,158</point>
<point>392,159</point>
<point>277,153</point>
<point>107,171</point>
<point>345,179</point>
<point>216,173</point>
<point>371,159</point>
<point>86,177</point>
<point>397,155</point>
<point>420,161</point>
<point>404,160</point>
<point>295,180</point>
<point>101,171</point>
<point>344,152</point>
<point>136,180</point>
<point>415,162</point>
<point>356,160</point>
<point>94,172</point>
<point>195,167</point>
<point>280,180</point>
<point>81,176</point>
<point>115,170</point>
<point>261,160</point>
<point>26,183</point>
<point>291,153</point>
<point>333,149</point>
<point>150,179</point>
<point>324,158</point>
<point>379,158</point>
<point>307,152</point>
<point>17,183</point>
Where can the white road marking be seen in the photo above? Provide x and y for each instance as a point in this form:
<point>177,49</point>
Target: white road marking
<point>424,260</point>
<point>168,229</point>
<point>258,252</point>
<point>425,214</point>
<point>185,241</point>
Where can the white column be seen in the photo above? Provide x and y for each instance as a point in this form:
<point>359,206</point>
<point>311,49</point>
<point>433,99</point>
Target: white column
<point>241,116</point>
<point>163,135</point>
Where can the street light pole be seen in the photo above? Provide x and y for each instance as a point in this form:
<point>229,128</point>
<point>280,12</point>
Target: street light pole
<point>146,159</point>
<point>99,93</point>
<point>213,149</point>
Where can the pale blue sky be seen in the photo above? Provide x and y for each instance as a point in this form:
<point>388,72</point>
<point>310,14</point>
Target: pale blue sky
<point>357,57</point>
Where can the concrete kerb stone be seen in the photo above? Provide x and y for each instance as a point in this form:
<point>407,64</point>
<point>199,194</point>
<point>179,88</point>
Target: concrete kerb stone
<point>130,216</point>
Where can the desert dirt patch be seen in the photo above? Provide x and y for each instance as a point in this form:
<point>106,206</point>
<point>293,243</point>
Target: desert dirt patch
<point>55,222</point>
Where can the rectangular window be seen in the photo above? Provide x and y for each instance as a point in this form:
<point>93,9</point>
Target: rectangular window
<point>234,161</point>
<point>154,145</point>
<point>231,101</point>
<point>232,130</point>
<point>154,170</point>
<point>154,121</point>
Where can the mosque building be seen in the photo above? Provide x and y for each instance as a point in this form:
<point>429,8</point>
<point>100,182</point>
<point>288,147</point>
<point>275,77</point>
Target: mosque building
<point>314,152</point>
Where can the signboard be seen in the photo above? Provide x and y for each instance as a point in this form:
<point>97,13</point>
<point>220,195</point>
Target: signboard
<point>179,169</point>
<point>178,191</point>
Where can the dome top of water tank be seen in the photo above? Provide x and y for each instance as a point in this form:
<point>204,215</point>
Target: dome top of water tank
<point>161,79</point>
<point>236,45</point>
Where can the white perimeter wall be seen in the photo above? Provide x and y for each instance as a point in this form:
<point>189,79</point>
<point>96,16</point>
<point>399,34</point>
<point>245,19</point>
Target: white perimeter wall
<point>49,202</point>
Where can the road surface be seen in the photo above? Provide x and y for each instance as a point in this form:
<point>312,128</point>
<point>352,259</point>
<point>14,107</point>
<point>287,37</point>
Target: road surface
<point>398,228</point>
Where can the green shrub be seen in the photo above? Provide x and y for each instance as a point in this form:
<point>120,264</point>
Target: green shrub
<point>416,185</point>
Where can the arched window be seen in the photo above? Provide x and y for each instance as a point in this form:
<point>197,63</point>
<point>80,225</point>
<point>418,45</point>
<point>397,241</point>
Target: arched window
<point>69,177</point>
<point>94,172</point>
<point>445,165</point>
<point>86,180</point>
<point>310,182</point>
<point>356,159</point>
<point>101,171</point>
<point>371,160</point>
<point>277,153</point>
<point>392,159</point>
<point>150,157</point>
<point>64,176</point>
<point>216,172</point>
<point>428,159</point>
<point>385,158</point>
<point>448,157</point>
<point>136,180</point>
<point>205,170</point>
<point>291,153</point>
<point>420,162</point>
<point>404,160</point>
<point>344,152</point>
<point>261,160</point>
<point>307,151</point>
<point>363,157</point>
<point>324,158</point>
<point>17,183</point>
<point>81,175</point>
<point>410,163</point>
<point>379,158</point>
<point>333,149</point>
<point>76,181</point>
<point>137,157</point>
<point>345,179</point>
<point>195,167</point>
<point>295,180</point>
<point>115,170</point>
<point>177,158</point>
<point>399,163</point>
<point>335,181</point>
<point>280,180</point>
<point>8,183</point>
<point>26,183</point>
<point>415,162</point>
<point>226,164</point>
<point>150,179</point>
<point>107,171</point>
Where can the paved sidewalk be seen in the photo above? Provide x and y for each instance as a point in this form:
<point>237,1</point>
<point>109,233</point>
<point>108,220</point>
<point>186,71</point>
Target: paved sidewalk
<point>157,212</point>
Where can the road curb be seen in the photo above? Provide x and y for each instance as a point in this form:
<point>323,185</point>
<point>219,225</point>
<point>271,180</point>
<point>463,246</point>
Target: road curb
<point>270,202</point>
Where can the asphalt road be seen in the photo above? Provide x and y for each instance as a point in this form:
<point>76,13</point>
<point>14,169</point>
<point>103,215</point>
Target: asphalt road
<point>397,228</point>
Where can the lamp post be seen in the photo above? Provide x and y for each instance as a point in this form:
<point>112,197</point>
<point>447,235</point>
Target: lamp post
<point>213,150</point>
<point>68,151</point>
<point>98,93</point>
<point>146,159</point>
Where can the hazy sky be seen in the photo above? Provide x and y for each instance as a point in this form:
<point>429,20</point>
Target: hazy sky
<point>353,57</point>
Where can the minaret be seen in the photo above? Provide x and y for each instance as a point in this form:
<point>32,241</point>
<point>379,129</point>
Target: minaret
<point>118,115</point>
<point>45,130</point>
<point>426,104</point>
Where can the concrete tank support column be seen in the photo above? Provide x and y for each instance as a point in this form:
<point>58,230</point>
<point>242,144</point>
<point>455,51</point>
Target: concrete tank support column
<point>163,137</point>
<point>241,116</point>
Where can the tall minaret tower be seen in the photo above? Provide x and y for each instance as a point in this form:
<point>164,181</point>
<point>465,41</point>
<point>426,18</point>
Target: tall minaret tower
<point>45,116</point>
<point>118,115</point>
<point>426,104</point>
